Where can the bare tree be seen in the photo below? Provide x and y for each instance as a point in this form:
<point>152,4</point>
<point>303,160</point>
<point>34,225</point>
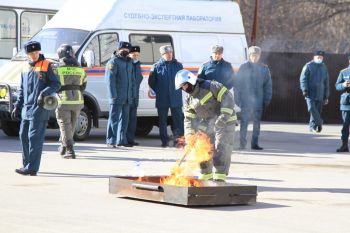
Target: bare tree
<point>300,25</point>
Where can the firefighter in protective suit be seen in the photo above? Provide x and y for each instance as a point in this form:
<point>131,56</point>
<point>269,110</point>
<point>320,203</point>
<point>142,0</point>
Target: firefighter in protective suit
<point>209,108</point>
<point>71,100</point>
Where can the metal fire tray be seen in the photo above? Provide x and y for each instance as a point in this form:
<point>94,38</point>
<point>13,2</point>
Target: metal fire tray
<point>210,193</point>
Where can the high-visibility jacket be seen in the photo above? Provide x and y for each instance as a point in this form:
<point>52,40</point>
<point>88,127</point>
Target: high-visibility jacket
<point>211,105</point>
<point>73,81</point>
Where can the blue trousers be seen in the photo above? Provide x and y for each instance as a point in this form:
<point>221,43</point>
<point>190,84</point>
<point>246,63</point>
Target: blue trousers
<point>130,134</point>
<point>177,123</point>
<point>315,109</point>
<point>32,136</point>
<point>346,125</point>
<point>246,116</point>
<point>117,124</point>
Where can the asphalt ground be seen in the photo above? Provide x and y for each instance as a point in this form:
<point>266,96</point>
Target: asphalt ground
<point>303,186</point>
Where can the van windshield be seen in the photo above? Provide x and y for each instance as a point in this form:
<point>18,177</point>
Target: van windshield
<point>50,39</point>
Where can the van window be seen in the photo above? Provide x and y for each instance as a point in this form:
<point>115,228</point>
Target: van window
<point>234,49</point>
<point>31,23</point>
<point>149,45</point>
<point>8,33</point>
<point>108,43</point>
<point>102,46</point>
<point>197,49</point>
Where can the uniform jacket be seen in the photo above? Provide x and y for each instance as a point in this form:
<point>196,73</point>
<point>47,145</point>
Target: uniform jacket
<point>210,104</point>
<point>345,97</point>
<point>314,79</point>
<point>37,78</point>
<point>220,71</point>
<point>119,71</point>
<point>73,81</point>
<point>162,82</point>
<point>136,82</point>
<point>254,86</point>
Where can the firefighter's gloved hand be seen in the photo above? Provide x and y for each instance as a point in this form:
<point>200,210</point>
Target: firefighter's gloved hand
<point>305,94</point>
<point>16,114</point>
<point>40,100</point>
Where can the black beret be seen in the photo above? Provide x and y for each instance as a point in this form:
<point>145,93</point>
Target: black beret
<point>319,53</point>
<point>135,49</point>
<point>32,46</point>
<point>348,56</point>
<point>124,45</point>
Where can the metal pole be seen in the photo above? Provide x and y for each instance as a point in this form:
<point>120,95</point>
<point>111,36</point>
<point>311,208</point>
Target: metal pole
<point>255,23</point>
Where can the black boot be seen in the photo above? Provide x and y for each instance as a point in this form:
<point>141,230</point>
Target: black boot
<point>70,154</point>
<point>344,147</point>
<point>62,150</point>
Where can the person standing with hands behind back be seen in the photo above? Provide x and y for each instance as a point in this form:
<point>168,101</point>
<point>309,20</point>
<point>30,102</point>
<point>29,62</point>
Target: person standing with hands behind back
<point>314,84</point>
<point>136,82</point>
<point>71,100</point>
<point>343,85</point>
<point>38,80</point>
<point>162,82</point>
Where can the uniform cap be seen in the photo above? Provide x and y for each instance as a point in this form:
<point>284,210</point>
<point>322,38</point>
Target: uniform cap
<point>135,49</point>
<point>124,45</point>
<point>348,56</point>
<point>319,53</point>
<point>32,46</point>
<point>217,49</point>
<point>165,49</point>
<point>254,50</point>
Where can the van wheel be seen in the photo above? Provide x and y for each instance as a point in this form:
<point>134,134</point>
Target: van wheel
<point>10,128</point>
<point>143,128</point>
<point>83,126</point>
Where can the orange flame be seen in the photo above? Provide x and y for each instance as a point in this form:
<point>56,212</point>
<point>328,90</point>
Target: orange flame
<point>198,149</point>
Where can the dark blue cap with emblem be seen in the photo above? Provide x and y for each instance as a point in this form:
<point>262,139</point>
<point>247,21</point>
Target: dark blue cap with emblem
<point>32,46</point>
<point>124,45</point>
<point>135,49</point>
<point>319,53</point>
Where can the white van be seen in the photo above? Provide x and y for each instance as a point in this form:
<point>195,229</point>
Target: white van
<point>191,27</point>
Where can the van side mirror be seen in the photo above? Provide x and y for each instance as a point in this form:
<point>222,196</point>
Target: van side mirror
<point>89,58</point>
<point>14,51</point>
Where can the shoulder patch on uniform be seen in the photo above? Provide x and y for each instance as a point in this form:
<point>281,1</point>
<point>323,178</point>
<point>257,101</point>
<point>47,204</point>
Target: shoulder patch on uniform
<point>110,66</point>
<point>205,84</point>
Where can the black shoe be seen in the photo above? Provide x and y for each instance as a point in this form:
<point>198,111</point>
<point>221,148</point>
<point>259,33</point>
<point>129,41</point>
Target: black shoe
<point>62,150</point>
<point>70,154</point>
<point>126,145</point>
<point>343,148</point>
<point>256,147</point>
<point>164,145</point>
<point>111,146</point>
<point>134,143</point>
<point>318,128</point>
<point>25,172</point>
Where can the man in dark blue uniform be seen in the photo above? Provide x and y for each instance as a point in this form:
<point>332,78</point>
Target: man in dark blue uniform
<point>119,83</point>
<point>252,94</point>
<point>136,82</point>
<point>343,85</point>
<point>37,81</point>
<point>162,82</point>
<point>217,68</point>
<point>314,84</point>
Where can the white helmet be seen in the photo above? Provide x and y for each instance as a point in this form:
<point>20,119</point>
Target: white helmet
<point>184,76</point>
